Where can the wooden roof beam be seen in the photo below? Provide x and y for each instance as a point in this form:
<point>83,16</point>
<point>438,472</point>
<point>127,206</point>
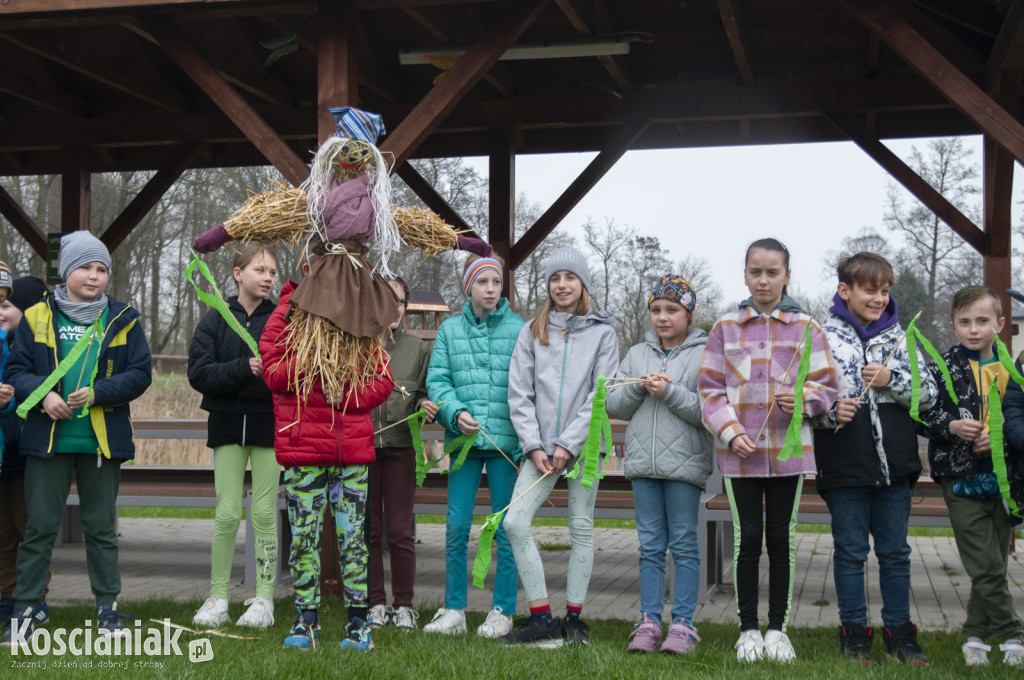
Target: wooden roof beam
<point>444,97</point>
<point>732,18</point>
<point>1008,51</point>
<point>913,182</point>
<point>41,93</point>
<point>154,93</point>
<point>252,125</point>
<point>575,192</point>
<point>930,64</point>
<point>150,194</point>
<point>422,188</point>
<point>24,225</point>
<point>616,67</point>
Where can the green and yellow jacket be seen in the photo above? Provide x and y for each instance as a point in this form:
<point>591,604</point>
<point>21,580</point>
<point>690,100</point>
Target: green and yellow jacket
<point>124,373</point>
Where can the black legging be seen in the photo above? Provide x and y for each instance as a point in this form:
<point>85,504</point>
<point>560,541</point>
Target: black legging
<point>780,507</point>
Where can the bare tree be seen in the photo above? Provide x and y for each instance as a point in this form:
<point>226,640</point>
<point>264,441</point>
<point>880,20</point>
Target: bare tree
<point>606,245</point>
<point>697,270</point>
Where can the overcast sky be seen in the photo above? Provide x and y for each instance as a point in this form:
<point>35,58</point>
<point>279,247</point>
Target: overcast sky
<point>713,202</point>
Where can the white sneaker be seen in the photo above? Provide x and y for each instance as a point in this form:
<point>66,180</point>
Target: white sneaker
<point>496,625</point>
<point>975,652</point>
<point>777,647</point>
<point>405,618</point>
<point>379,616</point>
<point>750,646</point>
<point>260,614</point>
<point>1013,653</point>
<point>447,621</point>
<point>213,613</point>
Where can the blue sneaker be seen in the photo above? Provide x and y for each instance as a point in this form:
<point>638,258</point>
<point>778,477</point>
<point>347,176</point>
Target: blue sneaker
<point>110,622</point>
<point>18,629</point>
<point>304,630</point>
<point>357,635</point>
<point>41,614</point>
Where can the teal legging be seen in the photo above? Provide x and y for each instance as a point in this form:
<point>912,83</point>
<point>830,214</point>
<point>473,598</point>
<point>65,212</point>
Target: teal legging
<point>229,463</point>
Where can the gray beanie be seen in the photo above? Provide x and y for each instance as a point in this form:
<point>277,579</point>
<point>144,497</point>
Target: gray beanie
<point>79,248</point>
<point>568,260</point>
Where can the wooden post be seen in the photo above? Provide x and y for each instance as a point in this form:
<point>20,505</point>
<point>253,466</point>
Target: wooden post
<point>502,201</point>
<point>75,191</point>
<point>337,85</point>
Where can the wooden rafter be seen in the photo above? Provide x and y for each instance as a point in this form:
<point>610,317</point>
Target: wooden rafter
<point>41,93</point>
<point>944,76</point>
<point>252,125</point>
<point>732,19</point>
<point>433,200</point>
<point>75,190</point>
<point>149,195</point>
<point>16,6</point>
<point>913,182</point>
<point>154,93</point>
<point>1008,51</point>
<point>616,67</point>
<point>439,102</point>
<point>337,65</point>
<point>23,224</point>
<point>501,207</point>
<point>575,192</point>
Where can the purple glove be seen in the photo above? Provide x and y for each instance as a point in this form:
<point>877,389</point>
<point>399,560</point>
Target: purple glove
<point>212,239</point>
<point>473,245</point>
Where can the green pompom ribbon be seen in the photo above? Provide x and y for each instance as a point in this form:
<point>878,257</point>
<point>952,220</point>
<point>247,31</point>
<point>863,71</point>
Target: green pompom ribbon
<point>600,424</point>
<point>915,336</point>
<point>482,562</point>
<point>80,348</point>
<point>995,438</point>
<point>793,446</point>
<point>217,302</point>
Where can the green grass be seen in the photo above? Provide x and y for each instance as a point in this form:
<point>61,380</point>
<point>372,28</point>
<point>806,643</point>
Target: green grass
<point>911,531</point>
<point>167,513</point>
<point>417,656</point>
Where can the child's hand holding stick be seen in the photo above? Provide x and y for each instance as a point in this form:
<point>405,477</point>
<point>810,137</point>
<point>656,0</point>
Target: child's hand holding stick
<point>771,407</point>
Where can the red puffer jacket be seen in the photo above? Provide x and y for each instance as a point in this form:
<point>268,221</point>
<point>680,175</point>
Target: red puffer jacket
<point>324,435</point>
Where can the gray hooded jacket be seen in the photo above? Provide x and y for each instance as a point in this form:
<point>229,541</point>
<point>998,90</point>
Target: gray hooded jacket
<point>550,389</point>
<point>665,438</point>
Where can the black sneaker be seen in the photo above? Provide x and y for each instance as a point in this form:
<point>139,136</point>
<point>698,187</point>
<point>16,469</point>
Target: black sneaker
<point>111,622</point>
<point>575,632</point>
<point>534,634</point>
<point>855,642</point>
<point>901,643</point>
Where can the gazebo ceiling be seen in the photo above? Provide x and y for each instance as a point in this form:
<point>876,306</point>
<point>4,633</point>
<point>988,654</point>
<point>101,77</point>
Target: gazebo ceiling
<point>90,74</point>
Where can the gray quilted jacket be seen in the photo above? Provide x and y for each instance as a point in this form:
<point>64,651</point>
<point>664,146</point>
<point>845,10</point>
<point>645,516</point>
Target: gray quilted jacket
<point>665,438</point>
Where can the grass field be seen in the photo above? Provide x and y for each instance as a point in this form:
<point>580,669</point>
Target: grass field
<point>417,656</point>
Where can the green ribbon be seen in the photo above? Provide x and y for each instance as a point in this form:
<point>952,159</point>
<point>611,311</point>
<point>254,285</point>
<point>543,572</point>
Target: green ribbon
<point>422,465</point>
<point>466,441</point>
<point>483,554</point>
<point>995,438</point>
<point>915,336</point>
<point>63,367</point>
<point>217,302</point>
<point>1007,361</point>
<point>92,374</point>
<point>590,454</point>
<point>793,446</point>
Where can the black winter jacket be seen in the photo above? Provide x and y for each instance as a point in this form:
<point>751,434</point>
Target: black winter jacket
<point>240,404</point>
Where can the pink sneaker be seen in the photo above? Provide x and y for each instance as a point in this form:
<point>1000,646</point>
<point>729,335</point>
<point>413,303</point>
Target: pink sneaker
<point>646,636</point>
<point>681,639</point>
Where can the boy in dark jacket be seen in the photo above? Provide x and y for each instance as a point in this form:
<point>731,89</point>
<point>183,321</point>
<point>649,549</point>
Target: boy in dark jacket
<point>962,460</point>
<point>54,388</point>
<point>866,469</point>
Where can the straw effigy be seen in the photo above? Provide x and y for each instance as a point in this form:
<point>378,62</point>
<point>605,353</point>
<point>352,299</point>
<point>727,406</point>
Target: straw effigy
<point>425,230</point>
<point>279,214</point>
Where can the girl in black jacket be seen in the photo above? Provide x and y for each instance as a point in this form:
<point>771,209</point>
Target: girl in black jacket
<point>241,430</point>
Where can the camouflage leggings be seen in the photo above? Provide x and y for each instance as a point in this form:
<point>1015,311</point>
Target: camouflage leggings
<point>307,490</point>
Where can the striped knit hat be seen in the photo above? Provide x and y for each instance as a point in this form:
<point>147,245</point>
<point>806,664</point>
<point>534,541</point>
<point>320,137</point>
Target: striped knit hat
<point>6,279</point>
<point>355,123</point>
<point>79,248</point>
<point>478,267</point>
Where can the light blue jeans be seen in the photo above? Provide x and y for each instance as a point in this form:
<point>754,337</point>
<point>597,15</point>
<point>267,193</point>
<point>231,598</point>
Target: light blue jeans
<point>462,488</point>
<point>666,519</point>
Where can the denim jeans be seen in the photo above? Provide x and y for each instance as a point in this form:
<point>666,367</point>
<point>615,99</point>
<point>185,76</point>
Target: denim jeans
<point>882,512</point>
<point>462,488</point>
<point>666,519</point>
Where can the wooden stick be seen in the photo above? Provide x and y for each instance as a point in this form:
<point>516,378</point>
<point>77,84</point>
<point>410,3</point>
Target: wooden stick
<point>202,632</point>
<point>88,348</point>
<point>499,449</point>
<point>632,382</point>
<point>388,427</point>
<point>872,381</point>
<point>771,407</point>
<point>528,489</point>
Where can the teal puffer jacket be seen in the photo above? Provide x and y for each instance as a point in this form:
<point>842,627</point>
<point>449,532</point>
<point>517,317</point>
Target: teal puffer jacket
<point>469,372</point>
